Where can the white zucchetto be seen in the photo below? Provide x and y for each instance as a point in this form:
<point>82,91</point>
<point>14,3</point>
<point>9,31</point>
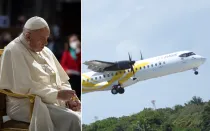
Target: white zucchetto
<point>35,23</point>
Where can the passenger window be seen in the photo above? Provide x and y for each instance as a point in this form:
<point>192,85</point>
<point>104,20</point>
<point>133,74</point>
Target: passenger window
<point>144,67</point>
<point>160,63</point>
<point>140,68</point>
<point>164,62</point>
<point>116,73</point>
<point>99,77</point>
<point>147,66</point>
<point>152,65</point>
<point>95,78</point>
<point>156,64</point>
<point>112,74</point>
<point>107,75</point>
<point>104,76</point>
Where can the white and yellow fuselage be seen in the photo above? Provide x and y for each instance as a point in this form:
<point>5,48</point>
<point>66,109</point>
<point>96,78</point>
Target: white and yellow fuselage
<point>144,69</point>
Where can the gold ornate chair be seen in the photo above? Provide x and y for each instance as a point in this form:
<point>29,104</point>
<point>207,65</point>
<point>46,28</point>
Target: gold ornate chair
<point>12,125</point>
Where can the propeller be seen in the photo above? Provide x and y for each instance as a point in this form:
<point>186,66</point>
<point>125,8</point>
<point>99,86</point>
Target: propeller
<point>131,63</point>
<point>141,55</point>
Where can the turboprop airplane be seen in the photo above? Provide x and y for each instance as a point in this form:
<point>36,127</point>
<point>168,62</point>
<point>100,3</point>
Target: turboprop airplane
<point>115,76</point>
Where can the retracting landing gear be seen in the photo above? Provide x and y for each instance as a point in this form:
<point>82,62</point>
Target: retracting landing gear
<point>195,71</point>
<point>134,78</point>
<point>121,90</point>
<point>117,89</point>
<point>114,90</point>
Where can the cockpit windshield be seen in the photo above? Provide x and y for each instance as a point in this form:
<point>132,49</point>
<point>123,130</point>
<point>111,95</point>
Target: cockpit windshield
<point>187,54</point>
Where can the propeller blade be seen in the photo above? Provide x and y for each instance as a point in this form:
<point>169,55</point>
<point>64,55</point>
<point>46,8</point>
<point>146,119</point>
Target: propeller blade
<point>131,63</point>
<point>131,66</point>
<point>132,69</point>
<point>130,59</point>
<point>141,55</point>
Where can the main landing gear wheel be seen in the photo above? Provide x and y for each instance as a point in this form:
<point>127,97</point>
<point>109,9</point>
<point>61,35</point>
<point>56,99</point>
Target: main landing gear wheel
<point>196,72</point>
<point>117,89</point>
<point>121,90</point>
<point>114,90</point>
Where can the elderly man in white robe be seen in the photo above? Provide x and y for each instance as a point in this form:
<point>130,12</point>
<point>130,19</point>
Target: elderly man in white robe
<point>28,67</point>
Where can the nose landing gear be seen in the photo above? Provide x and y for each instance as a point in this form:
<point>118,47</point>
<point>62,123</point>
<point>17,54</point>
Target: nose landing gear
<point>117,89</point>
<point>195,71</point>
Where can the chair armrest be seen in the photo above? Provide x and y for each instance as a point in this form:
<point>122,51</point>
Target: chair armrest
<point>1,51</point>
<point>9,93</point>
<point>31,98</point>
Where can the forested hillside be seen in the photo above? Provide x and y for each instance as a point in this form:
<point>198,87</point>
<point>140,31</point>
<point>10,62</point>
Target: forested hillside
<point>193,116</point>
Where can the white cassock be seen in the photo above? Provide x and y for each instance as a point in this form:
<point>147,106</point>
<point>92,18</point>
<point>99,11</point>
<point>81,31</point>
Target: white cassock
<point>25,72</point>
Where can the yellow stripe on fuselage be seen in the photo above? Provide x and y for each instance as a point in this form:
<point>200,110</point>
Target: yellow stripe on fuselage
<point>130,74</point>
<point>90,86</point>
<point>93,87</point>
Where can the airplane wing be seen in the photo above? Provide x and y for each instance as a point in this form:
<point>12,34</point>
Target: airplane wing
<point>98,66</point>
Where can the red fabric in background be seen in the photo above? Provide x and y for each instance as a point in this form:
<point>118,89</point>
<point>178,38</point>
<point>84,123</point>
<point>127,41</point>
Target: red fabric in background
<point>68,62</point>
<point>79,61</point>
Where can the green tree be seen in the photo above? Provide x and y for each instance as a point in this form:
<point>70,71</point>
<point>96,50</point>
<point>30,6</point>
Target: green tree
<point>196,100</point>
<point>193,116</point>
<point>206,118</point>
<point>178,107</point>
<point>167,127</point>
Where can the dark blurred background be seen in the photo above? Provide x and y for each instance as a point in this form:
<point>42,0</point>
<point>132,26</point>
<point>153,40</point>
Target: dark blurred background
<point>64,19</point>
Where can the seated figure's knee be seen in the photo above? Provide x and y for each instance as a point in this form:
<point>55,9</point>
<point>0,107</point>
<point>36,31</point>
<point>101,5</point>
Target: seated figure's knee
<point>75,117</point>
<point>75,121</point>
<point>70,118</point>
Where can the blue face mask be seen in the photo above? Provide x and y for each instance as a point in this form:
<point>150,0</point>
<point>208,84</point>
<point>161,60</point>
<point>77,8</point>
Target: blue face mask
<point>73,53</point>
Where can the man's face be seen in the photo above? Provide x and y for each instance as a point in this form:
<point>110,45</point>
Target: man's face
<point>38,39</point>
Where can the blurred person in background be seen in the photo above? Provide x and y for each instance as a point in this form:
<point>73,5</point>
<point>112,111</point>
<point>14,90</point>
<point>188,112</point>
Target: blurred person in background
<point>71,62</point>
<point>21,21</point>
<point>5,39</point>
<point>56,31</point>
<point>51,44</point>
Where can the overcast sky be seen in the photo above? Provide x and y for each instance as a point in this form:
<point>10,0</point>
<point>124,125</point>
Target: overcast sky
<point>111,28</point>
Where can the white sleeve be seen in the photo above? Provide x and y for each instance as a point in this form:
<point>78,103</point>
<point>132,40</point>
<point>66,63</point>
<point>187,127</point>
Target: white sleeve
<point>66,86</point>
<point>47,93</point>
<point>63,75</point>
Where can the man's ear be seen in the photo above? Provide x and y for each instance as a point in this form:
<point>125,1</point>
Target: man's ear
<point>27,36</point>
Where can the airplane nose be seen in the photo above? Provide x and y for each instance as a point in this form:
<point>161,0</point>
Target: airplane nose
<point>203,59</point>
<point>199,59</point>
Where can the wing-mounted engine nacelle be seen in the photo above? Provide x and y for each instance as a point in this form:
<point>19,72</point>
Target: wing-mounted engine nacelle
<point>120,65</point>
